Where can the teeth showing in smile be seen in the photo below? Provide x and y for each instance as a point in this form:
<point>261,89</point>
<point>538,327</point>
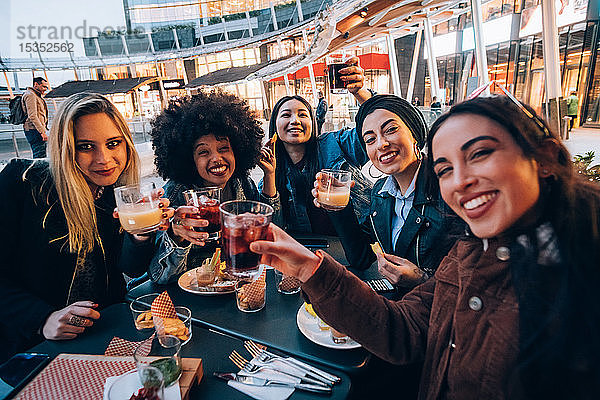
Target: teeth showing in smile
<point>478,201</point>
<point>218,170</point>
<point>388,156</point>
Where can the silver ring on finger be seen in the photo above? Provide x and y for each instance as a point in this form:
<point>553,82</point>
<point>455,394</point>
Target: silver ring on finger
<point>76,320</point>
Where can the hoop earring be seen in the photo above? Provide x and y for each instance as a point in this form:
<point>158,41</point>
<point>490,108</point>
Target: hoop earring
<point>418,153</point>
<point>371,174</point>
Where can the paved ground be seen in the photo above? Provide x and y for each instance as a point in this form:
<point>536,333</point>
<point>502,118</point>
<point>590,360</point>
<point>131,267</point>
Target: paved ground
<point>583,140</point>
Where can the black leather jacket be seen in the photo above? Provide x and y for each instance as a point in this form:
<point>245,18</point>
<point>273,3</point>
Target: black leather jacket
<point>426,236</point>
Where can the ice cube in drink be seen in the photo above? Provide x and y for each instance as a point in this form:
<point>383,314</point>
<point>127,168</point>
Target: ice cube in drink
<point>237,237</point>
<point>207,201</point>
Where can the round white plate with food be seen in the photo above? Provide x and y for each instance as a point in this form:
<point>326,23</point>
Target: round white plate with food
<point>309,326</point>
<point>189,283</point>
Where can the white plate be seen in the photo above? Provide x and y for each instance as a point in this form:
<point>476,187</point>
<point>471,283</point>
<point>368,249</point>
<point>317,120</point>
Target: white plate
<point>309,326</point>
<point>189,283</point>
<point>129,382</point>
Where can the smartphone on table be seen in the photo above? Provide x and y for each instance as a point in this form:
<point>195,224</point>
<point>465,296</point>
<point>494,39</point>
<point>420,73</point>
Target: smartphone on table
<point>18,371</point>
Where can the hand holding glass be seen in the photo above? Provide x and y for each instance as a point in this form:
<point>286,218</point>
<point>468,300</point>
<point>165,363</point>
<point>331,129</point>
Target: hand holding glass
<point>333,189</point>
<point>138,209</point>
<point>335,62</point>
<point>207,201</point>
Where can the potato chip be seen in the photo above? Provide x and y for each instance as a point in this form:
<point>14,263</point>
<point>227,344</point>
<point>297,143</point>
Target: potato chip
<point>376,247</point>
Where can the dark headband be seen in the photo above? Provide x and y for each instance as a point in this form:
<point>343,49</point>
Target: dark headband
<point>409,114</point>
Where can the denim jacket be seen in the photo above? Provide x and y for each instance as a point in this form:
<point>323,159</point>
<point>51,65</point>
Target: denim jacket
<point>338,150</point>
<point>426,236</point>
<point>170,260</point>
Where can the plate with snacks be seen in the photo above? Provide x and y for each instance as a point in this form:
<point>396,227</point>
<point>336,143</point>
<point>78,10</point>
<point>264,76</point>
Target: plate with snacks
<point>319,332</point>
<point>208,279</point>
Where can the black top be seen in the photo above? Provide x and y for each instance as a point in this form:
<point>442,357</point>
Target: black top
<point>37,268</point>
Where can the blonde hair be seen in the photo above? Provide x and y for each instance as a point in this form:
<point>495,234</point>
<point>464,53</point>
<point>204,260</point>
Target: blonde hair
<point>74,194</point>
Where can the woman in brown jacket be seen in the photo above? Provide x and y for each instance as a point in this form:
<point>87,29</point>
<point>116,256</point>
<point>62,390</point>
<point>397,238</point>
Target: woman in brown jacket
<point>513,309</point>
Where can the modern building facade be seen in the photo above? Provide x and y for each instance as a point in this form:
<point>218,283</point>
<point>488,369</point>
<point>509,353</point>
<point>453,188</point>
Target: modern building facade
<point>512,31</point>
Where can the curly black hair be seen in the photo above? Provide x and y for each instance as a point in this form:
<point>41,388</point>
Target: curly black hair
<point>185,120</point>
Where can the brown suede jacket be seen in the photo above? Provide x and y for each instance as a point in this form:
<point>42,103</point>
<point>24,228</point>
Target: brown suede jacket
<point>462,324</point>
<point>36,110</point>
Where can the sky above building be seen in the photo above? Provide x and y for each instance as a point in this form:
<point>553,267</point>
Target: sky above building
<point>60,23</point>
<point>57,26</point>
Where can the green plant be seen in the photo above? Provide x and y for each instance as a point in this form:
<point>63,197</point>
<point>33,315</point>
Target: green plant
<point>583,165</point>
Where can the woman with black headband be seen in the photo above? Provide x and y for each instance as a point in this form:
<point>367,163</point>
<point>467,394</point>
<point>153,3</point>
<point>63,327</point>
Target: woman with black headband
<point>407,216</point>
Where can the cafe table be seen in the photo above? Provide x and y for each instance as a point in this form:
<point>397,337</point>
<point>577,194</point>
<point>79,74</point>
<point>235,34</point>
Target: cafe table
<point>274,326</point>
<point>213,348</point>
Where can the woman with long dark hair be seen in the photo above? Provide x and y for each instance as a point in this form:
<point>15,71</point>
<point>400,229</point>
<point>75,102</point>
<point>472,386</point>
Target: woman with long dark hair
<point>297,156</point>
<point>512,311</point>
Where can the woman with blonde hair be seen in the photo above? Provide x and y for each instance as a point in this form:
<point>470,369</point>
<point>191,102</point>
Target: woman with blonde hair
<point>64,254</point>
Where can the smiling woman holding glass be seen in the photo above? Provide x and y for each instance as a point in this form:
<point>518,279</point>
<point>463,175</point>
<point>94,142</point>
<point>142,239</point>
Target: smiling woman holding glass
<point>64,253</point>
<point>300,152</point>
<point>512,311</point>
<point>205,146</point>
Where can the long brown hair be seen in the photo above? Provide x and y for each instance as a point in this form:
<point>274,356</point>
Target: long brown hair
<point>559,304</point>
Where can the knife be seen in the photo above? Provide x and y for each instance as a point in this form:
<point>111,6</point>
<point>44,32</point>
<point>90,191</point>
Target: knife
<point>254,381</point>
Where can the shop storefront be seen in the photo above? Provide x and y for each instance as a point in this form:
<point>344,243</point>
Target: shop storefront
<point>518,64</point>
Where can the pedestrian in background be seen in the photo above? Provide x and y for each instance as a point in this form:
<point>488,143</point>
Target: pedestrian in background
<point>572,108</point>
<point>36,124</point>
<point>321,112</point>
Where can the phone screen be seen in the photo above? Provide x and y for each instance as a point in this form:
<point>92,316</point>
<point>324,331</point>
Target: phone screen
<point>314,243</point>
<point>19,370</point>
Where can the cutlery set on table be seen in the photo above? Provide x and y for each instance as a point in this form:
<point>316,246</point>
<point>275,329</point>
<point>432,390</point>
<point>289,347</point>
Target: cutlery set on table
<point>270,370</point>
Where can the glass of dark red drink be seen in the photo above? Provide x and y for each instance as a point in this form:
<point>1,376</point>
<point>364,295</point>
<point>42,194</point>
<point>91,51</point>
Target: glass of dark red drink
<point>207,200</point>
<point>335,62</point>
<point>243,222</point>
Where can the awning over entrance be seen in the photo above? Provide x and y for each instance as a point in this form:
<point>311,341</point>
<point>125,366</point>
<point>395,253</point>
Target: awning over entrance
<point>102,87</point>
<point>225,75</point>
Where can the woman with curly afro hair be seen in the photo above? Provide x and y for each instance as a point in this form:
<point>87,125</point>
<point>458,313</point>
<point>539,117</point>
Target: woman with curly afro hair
<point>211,139</point>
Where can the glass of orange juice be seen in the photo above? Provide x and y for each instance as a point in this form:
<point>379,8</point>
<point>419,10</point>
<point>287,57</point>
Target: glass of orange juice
<point>334,189</point>
<point>138,207</point>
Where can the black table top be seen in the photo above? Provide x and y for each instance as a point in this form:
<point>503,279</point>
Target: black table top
<point>274,325</point>
<point>212,347</point>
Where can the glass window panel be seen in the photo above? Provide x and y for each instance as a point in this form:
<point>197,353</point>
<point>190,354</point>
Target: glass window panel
<point>593,101</point>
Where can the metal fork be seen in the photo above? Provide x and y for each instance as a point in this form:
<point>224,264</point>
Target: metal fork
<point>250,367</point>
<point>261,354</point>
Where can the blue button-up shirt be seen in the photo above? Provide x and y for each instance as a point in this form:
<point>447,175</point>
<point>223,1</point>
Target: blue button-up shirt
<point>403,203</point>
